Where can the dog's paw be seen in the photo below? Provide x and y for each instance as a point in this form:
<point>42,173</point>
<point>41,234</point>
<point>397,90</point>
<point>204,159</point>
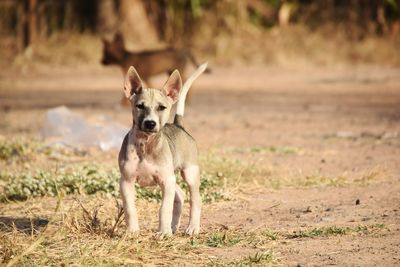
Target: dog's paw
<point>163,234</point>
<point>131,234</point>
<point>133,229</point>
<point>175,228</point>
<point>193,229</point>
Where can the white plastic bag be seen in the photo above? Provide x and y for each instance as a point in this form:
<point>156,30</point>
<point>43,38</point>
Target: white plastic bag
<point>72,129</point>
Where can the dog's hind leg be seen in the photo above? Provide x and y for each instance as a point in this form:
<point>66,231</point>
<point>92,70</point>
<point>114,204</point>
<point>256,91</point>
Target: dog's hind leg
<point>191,175</point>
<point>178,204</point>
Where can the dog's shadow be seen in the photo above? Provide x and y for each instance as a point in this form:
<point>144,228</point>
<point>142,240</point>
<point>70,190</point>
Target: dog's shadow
<point>22,224</point>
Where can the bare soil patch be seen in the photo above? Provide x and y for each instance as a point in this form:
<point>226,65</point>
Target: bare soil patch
<point>313,149</point>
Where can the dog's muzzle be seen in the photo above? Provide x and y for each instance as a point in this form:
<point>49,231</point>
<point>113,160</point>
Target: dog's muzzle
<point>149,126</point>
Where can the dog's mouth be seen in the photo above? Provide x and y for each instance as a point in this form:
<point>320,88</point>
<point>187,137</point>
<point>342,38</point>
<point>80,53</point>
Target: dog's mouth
<point>148,131</point>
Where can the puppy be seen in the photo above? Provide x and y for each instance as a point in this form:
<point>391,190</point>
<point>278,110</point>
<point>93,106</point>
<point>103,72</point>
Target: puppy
<point>153,150</point>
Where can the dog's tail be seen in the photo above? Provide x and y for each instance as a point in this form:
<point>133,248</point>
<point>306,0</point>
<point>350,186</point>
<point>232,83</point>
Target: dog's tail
<point>180,106</point>
<point>194,61</point>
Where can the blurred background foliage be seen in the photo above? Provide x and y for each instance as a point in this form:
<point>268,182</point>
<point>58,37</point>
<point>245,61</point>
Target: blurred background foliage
<point>219,29</point>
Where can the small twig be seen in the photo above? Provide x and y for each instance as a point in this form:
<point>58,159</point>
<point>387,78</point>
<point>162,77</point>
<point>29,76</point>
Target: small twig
<point>117,218</point>
<point>83,208</point>
<point>273,206</point>
<point>94,222</point>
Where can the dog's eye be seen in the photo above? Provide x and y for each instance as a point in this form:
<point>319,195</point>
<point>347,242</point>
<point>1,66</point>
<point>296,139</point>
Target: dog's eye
<point>161,107</point>
<point>140,106</point>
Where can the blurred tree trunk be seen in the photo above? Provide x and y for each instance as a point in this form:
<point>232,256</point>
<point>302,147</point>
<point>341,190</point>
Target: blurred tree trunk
<point>107,21</point>
<point>20,26</point>
<point>381,18</point>
<point>32,25</point>
<point>27,25</point>
<point>69,16</point>
<point>135,26</point>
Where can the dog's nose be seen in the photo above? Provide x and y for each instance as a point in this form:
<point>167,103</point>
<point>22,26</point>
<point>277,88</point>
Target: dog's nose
<point>149,125</point>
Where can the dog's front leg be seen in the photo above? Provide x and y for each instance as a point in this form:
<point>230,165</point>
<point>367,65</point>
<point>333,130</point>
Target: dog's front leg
<point>128,193</point>
<point>167,205</point>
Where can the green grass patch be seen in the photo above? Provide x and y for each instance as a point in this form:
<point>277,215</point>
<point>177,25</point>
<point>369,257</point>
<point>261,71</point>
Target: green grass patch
<point>82,180</point>
<point>217,240</point>
<point>262,150</point>
<point>211,187</point>
<point>20,149</point>
<point>270,235</point>
<point>232,170</point>
<point>333,231</point>
<point>314,181</point>
<point>90,180</point>
<point>258,259</point>
<point>256,238</point>
<point>249,170</point>
<point>16,148</point>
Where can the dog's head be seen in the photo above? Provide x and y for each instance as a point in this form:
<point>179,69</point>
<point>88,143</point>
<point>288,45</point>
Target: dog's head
<point>113,52</point>
<point>151,107</point>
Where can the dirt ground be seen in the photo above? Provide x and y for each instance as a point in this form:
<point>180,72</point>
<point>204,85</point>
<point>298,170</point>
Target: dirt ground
<point>327,143</point>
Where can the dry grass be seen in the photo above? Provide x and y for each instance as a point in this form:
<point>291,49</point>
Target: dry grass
<point>322,180</point>
<point>299,46</point>
<point>86,229</point>
<point>80,232</point>
<point>61,51</point>
<point>293,46</point>
<point>244,165</point>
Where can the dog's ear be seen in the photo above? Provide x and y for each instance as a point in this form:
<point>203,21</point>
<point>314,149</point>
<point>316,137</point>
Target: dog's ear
<point>173,85</point>
<point>133,83</point>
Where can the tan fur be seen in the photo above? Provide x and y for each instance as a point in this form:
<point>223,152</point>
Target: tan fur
<point>152,152</point>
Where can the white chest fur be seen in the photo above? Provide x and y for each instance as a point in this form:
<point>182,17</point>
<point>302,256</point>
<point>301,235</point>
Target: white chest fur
<point>145,172</point>
<point>148,173</point>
